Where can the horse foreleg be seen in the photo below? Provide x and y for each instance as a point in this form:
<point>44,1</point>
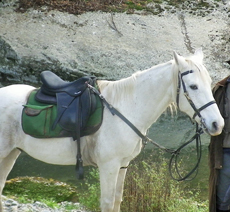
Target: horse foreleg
<point>119,189</point>
<point>108,181</point>
<point>6,164</point>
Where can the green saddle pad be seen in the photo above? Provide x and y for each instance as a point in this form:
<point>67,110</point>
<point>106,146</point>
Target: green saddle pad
<point>38,119</point>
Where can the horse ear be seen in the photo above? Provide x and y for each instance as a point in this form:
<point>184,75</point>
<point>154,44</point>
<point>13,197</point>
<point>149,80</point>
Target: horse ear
<point>180,61</point>
<point>199,54</point>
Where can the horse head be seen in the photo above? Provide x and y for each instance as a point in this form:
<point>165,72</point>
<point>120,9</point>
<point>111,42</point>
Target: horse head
<point>194,95</point>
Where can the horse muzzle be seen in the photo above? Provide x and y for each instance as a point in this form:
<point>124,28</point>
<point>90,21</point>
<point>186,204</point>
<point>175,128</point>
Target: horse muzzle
<point>215,128</point>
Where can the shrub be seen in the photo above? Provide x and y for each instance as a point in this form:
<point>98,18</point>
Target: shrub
<point>148,187</point>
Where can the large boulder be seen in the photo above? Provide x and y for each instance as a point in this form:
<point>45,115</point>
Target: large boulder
<point>109,46</point>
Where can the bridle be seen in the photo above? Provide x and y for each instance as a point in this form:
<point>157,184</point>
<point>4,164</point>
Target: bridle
<point>196,111</point>
<point>199,130</point>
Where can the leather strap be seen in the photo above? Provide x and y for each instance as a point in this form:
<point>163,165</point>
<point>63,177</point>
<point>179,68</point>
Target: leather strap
<point>79,164</point>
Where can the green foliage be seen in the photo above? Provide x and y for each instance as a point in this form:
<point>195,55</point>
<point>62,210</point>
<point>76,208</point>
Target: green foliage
<point>38,189</point>
<point>69,206</point>
<point>90,196</point>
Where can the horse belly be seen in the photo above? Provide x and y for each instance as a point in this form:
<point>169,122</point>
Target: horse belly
<point>60,151</point>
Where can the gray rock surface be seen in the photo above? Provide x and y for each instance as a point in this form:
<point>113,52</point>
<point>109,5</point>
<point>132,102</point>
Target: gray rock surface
<point>109,46</point>
<point>11,205</point>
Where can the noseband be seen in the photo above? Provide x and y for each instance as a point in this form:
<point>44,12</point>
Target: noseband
<point>197,111</point>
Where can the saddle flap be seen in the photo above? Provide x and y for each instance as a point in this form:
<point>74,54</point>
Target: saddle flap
<point>73,112</point>
<point>88,105</point>
<point>67,109</point>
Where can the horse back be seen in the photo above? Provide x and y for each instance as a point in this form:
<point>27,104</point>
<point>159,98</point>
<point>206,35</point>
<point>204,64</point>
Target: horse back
<point>11,100</point>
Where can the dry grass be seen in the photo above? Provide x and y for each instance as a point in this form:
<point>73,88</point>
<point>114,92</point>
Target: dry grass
<point>81,6</point>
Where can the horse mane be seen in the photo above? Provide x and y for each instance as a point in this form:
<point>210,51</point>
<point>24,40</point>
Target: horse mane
<point>119,89</point>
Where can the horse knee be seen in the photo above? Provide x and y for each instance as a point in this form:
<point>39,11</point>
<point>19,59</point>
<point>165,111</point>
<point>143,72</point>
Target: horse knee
<point>118,197</point>
<point>107,205</point>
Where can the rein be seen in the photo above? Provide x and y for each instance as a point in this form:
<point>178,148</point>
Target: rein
<point>175,153</point>
<point>173,163</point>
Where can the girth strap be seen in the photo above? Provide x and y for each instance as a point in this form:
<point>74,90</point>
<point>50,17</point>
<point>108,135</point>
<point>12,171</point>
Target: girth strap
<point>79,164</point>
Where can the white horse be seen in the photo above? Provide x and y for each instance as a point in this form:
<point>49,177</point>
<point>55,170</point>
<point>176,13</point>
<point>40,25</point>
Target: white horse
<point>141,98</point>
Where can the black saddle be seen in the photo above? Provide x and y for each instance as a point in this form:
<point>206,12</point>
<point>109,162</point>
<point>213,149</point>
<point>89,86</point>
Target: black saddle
<point>75,101</point>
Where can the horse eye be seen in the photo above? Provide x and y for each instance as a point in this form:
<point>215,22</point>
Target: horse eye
<point>193,87</point>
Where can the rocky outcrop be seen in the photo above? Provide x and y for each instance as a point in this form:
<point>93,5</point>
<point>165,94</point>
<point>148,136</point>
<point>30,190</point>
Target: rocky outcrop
<point>109,46</point>
<point>12,205</point>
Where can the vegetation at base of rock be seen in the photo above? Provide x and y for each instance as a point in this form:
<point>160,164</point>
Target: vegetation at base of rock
<point>129,6</point>
<point>39,189</point>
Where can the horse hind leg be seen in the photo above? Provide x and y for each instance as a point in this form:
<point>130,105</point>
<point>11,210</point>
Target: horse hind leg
<point>6,164</point>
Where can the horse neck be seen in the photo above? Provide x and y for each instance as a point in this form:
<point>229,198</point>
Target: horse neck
<point>144,96</point>
<point>155,92</point>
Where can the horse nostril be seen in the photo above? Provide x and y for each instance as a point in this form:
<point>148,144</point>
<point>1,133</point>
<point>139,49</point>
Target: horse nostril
<point>214,124</point>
